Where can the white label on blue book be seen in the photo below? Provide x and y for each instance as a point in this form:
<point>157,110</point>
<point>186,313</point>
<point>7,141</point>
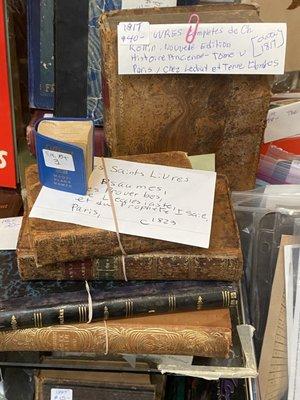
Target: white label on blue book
<point>61,394</point>
<point>134,32</point>
<point>58,160</point>
<point>154,201</point>
<point>196,48</point>
<point>9,232</point>
<point>129,4</point>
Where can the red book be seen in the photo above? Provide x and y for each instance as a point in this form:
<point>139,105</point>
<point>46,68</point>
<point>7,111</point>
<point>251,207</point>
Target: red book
<point>7,152</point>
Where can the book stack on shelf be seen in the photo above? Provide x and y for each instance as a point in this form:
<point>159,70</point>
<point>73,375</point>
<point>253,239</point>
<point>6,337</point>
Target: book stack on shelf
<point>96,269</point>
<point>50,250</point>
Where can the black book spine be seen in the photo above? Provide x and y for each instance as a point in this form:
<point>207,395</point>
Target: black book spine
<point>71,57</point>
<point>67,313</point>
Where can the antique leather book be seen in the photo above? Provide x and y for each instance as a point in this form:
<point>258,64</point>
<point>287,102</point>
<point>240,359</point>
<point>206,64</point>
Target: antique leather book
<point>39,303</point>
<point>100,147</point>
<point>204,333</point>
<point>219,262</point>
<point>10,203</point>
<point>199,114</point>
<point>114,301</point>
<point>53,242</point>
<point>95,385</point>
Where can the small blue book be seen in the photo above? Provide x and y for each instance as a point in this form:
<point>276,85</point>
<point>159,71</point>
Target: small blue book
<point>64,150</point>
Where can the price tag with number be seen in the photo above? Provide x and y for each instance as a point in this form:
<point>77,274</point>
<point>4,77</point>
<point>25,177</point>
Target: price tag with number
<point>134,33</point>
<point>61,394</point>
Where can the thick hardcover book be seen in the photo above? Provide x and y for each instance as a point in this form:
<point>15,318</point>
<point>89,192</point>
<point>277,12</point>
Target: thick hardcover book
<point>114,300</point>
<point>222,261</point>
<point>54,242</point>
<point>59,302</point>
<point>204,333</point>
<point>199,114</point>
<point>10,203</point>
<point>94,385</point>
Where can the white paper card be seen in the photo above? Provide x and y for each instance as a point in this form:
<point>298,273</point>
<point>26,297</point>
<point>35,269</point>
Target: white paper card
<point>282,196</point>
<point>257,48</point>
<point>58,160</point>
<point>48,115</point>
<point>283,122</point>
<point>154,201</point>
<point>61,394</point>
<point>134,33</point>
<point>129,4</point>
<point>9,232</point>
<point>294,173</point>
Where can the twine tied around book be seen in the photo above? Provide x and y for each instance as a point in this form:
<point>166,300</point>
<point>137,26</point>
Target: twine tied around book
<point>115,218</point>
<point>90,308</point>
<point>90,302</point>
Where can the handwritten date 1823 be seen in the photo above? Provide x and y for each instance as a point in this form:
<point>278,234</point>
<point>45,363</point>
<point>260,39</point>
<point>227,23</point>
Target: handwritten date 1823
<point>155,221</point>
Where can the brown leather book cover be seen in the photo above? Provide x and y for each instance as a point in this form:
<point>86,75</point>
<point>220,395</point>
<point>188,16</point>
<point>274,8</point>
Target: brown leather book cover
<point>95,385</point>
<point>204,333</point>
<point>199,114</point>
<point>10,203</point>
<point>222,261</point>
<point>54,241</point>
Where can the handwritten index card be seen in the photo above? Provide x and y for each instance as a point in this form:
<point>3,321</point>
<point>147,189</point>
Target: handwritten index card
<point>129,4</point>
<point>154,201</point>
<point>283,122</point>
<point>9,232</point>
<point>253,48</point>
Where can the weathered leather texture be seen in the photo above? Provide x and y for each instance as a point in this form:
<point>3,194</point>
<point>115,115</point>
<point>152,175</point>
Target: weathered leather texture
<point>199,114</point>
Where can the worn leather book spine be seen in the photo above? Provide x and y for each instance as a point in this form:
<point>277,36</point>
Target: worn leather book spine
<point>199,114</point>
<point>164,265</point>
<point>56,242</point>
<point>10,203</point>
<point>94,385</point>
<point>93,391</point>
<point>74,308</point>
<point>204,333</point>
<point>71,22</point>
<point>147,266</point>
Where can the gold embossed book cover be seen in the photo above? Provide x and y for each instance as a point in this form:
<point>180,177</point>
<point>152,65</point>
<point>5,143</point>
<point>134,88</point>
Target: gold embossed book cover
<point>204,333</point>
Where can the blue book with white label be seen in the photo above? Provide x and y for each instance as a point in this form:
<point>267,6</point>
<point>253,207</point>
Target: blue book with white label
<point>64,150</point>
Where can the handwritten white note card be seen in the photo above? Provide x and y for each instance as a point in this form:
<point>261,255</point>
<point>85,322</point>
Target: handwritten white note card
<point>253,48</point>
<point>127,4</point>
<point>154,201</point>
<point>283,122</point>
<point>9,232</point>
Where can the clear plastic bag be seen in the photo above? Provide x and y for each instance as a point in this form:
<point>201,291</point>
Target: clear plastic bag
<point>279,167</point>
<point>263,216</point>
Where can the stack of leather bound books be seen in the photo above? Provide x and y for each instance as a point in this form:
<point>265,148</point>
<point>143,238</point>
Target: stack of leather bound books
<point>176,300</point>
